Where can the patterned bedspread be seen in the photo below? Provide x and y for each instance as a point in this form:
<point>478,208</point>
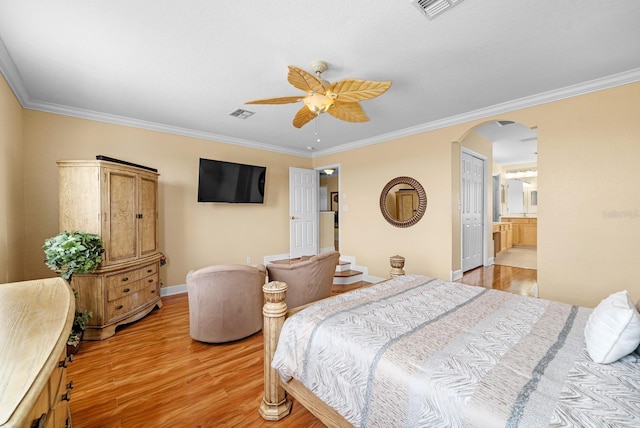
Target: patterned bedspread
<point>421,352</point>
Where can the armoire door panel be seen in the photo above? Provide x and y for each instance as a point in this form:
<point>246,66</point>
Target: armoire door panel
<point>122,221</point>
<point>147,223</point>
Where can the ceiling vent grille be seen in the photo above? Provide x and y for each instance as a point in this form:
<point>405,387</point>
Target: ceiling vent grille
<point>241,113</point>
<point>433,8</point>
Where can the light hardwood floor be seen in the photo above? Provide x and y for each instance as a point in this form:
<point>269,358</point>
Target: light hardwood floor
<point>524,257</point>
<point>152,374</point>
<point>507,278</point>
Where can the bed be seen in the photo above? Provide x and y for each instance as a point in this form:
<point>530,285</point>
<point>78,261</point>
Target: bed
<point>415,351</point>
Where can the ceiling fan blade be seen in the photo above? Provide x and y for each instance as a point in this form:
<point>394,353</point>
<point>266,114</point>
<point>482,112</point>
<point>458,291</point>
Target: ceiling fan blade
<point>350,112</point>
<point>279,100</point>
<point>350,90</point>
<point>304,81</point>
<point>303,117</point>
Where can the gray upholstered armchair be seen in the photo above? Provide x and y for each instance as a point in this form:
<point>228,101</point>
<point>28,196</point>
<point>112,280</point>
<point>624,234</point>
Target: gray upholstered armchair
<point>225,302</point>
<point>308,280</point>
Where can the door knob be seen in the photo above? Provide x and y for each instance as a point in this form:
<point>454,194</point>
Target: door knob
<point>293,218</point>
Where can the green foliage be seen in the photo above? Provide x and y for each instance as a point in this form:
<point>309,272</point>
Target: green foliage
<point>81,319</point>
<point>73,252</point>
<point>74,339</point>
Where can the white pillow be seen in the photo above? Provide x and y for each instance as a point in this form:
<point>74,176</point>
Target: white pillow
<point>613,329</point>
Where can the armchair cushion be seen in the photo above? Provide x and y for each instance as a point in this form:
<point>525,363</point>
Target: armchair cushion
<point>307,280</point>
<point>225,302</point>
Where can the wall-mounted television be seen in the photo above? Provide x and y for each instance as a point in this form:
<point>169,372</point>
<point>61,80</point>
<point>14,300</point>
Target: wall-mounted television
<point>220,181</point>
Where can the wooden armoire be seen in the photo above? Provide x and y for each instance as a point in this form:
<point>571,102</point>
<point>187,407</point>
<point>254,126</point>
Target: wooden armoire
<point>119,202</point>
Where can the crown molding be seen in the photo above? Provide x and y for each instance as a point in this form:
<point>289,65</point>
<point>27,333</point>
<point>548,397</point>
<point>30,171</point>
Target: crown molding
<point>11,75</point>
<point>154,126</point>
<point>607,82</point>
<point>13,78</point>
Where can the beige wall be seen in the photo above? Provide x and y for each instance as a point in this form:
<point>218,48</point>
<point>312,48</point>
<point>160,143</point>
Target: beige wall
<point>11,186</point>
<point>326,227</point>
<point>363,231</point>
<point>192,234</point>
<point>588,213</point>
<point>589,206</point>
<point>432,158</point>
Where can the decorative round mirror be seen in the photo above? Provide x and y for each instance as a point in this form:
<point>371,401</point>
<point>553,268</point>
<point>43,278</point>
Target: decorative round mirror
<point>403,201</point>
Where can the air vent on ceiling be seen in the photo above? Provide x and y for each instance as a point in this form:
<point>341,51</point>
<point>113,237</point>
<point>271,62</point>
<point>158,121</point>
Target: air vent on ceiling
<point>241,113</point>
<point>433,8</point>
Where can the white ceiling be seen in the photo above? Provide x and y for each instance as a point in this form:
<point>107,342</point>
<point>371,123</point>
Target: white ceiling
<point>182,67</point>
<point>513,143</point>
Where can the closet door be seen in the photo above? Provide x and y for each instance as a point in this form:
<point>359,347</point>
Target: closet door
<point>472,211</point>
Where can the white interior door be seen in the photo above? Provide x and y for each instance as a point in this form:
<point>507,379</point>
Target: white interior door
<point>303,216</point>
<point>472,208</point>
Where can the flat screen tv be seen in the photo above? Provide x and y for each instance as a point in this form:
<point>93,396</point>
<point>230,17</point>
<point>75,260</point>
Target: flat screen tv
<point>220,181</point>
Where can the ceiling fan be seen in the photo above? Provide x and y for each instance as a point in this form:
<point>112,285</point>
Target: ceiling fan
<point>339,99</point>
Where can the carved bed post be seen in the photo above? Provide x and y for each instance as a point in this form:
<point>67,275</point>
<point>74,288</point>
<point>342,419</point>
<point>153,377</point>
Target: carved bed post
<point>397,263</point>
<point>275,404</point>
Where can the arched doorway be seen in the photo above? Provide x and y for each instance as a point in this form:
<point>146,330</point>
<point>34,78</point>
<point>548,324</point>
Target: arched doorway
<point>510,149</point>
<point>514,190</point>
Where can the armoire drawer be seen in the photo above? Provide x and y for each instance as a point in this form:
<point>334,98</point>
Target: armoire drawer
<point>128,277</point>
<point>124,305</point>
<point>130,289</point>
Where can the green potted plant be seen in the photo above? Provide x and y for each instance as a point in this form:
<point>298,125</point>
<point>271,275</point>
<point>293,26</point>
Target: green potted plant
<point>72,252</point>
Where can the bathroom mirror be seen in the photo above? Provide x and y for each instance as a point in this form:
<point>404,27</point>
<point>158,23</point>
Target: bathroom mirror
<point>403,201</point>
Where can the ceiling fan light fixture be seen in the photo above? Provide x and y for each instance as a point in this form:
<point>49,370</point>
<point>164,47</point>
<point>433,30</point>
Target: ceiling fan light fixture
<point>340,99</point>
<point>318,103</point>
<point>329,171</point>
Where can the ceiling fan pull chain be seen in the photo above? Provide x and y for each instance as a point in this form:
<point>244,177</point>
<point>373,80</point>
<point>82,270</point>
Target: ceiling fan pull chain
<point>317,136</point>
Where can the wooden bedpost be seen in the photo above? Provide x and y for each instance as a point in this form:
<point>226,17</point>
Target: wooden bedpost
<point>275,404</point>
<point>397,263</point>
